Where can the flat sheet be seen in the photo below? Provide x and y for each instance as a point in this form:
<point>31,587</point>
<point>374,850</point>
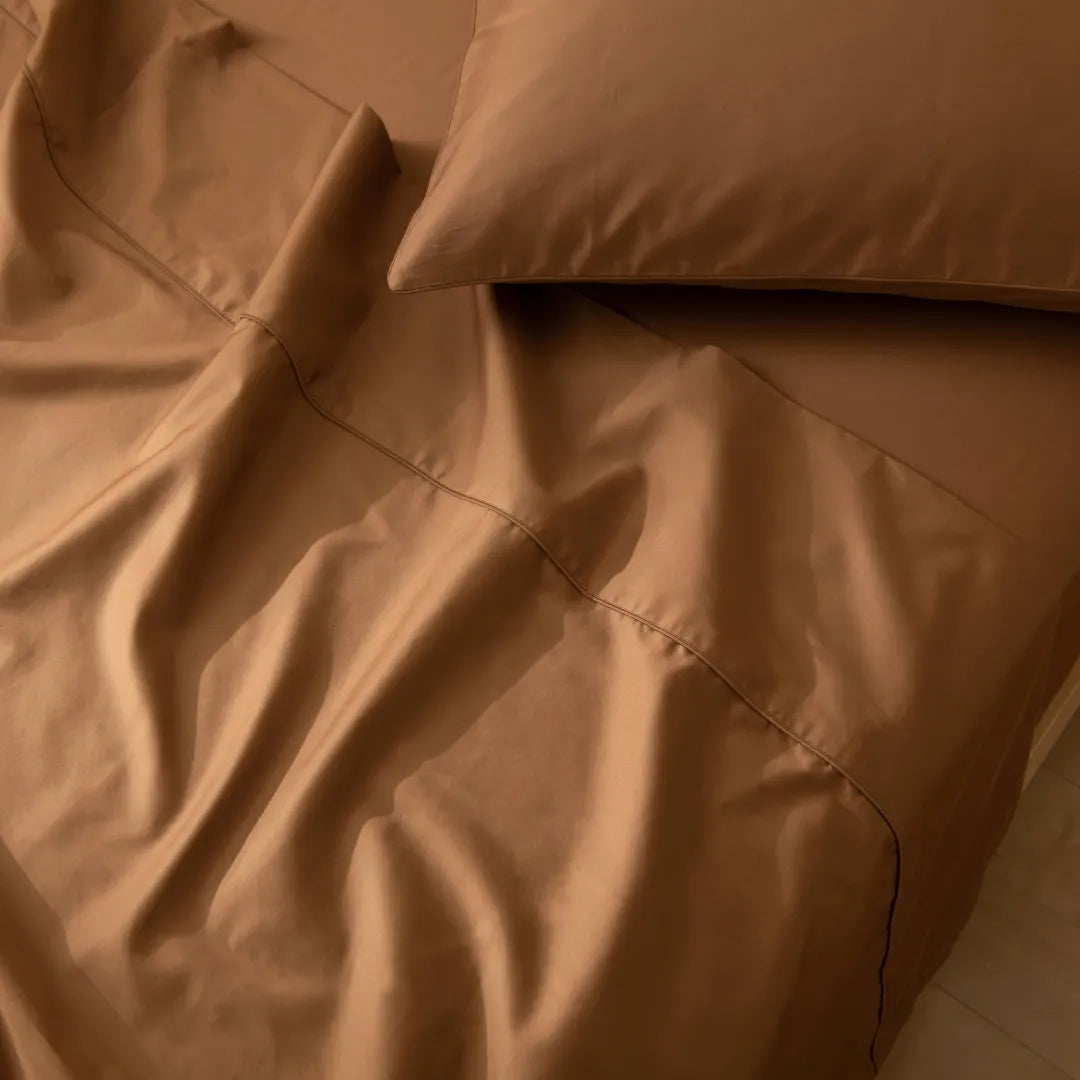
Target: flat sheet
<point>455,685</point>
<point>981,399</point>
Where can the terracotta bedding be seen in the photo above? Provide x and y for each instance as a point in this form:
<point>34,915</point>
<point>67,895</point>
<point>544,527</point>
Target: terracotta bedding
<point>480,683</point>
<point>877,147</point>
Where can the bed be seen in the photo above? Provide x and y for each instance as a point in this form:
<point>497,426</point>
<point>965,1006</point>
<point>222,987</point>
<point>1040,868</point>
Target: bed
<point>562,681</point>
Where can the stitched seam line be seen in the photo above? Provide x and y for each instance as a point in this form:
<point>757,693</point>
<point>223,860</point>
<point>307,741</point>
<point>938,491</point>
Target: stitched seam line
<point>105,219</point>
<point>642,620</point>
<point>19,23</point>
<point>687,646</point>
<point>251,50</point>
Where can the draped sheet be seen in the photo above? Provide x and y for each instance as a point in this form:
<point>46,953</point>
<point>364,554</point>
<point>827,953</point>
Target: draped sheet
<point>454,685</point>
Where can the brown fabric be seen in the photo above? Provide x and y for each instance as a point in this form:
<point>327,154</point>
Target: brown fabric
<point>466,684</point>
<point>980,399</point>
<point>928,149</point>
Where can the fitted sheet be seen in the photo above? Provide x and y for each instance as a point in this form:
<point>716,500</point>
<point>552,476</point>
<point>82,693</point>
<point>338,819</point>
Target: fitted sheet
<point>481,683</point>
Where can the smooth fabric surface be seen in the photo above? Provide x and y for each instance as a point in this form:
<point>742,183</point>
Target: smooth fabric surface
<point>467,684</point>
<point>981,399</point>
<point>923,149</point>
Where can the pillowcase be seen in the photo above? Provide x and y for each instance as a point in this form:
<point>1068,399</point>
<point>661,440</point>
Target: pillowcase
<point>926,147</point>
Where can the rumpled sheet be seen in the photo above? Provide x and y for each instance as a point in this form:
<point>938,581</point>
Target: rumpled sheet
<point>474,684</point>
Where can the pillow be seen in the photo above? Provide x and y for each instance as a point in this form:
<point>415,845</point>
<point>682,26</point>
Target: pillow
<point>926,147</point>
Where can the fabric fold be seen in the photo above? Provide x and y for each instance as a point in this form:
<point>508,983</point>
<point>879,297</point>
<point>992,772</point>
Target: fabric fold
<point>465,684</point>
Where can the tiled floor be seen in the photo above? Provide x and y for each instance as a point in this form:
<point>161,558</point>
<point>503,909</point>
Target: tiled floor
<point>1006,1005</point>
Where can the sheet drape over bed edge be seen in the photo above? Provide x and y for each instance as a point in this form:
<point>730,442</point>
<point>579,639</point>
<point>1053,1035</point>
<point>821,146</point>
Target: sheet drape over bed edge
<point>464,684</point>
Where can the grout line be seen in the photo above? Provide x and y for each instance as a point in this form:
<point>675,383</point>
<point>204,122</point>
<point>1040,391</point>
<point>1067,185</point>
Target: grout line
<point>1059,775</point>
<point>1060,712</point>
<point>997,1027</point>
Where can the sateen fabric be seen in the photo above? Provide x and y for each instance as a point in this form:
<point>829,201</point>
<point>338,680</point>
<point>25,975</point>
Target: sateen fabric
<point>465,684</point>
<point>928,149</point>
